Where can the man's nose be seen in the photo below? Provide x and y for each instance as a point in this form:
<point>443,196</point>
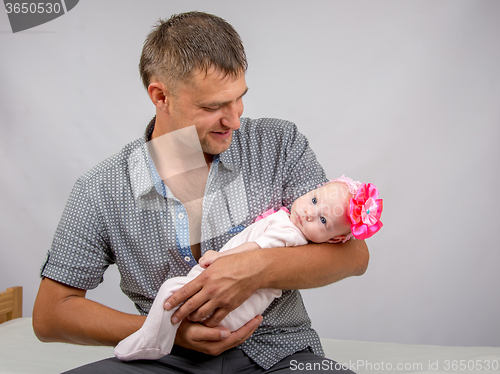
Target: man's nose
<point>232,114</point>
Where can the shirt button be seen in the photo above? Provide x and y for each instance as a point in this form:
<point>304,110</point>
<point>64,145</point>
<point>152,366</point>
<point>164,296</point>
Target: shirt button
<point>187,258</point>
<point>181,215</point>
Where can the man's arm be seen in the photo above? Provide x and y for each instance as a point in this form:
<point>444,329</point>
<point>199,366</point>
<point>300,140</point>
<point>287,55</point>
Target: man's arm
<point>315,265</point>
<point>63,314</point>
<point>230,280</point>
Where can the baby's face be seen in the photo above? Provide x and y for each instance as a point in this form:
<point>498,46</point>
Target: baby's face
<point>322,214</point>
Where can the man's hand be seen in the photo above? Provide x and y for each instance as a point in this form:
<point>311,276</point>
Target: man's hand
<point>232,279</point>
<point>221,288</point>
<point>213,341</point>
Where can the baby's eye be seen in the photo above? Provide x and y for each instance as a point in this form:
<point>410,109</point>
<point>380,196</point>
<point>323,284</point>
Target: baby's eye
<point>314,201</point>
<point>323,220</point>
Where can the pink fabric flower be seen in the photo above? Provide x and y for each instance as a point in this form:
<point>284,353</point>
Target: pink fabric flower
<point>365,210</point>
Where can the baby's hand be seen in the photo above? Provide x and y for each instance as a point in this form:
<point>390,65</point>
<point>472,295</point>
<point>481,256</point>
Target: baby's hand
<point>207,259</point>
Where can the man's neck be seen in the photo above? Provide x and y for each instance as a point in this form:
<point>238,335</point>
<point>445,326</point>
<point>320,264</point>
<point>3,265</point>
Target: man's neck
<point>208,158</point>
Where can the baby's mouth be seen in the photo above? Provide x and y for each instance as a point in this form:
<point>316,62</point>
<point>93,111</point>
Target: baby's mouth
<point>299,219</point>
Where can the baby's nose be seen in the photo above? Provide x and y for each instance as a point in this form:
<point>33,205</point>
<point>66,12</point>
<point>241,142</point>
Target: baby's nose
<point>311,213</point>
<point>309,216</point>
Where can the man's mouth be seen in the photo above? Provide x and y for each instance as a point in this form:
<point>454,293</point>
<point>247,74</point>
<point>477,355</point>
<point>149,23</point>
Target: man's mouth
<point>221,134</point>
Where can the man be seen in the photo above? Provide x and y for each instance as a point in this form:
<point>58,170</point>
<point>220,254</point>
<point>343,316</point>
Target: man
<point>125,212</point>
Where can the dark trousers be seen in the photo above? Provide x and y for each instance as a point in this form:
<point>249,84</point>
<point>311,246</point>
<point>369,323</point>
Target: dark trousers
<point>233,361</point>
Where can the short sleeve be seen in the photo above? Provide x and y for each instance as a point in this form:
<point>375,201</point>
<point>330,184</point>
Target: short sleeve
<point>79,254</point>
<point>303,172</point>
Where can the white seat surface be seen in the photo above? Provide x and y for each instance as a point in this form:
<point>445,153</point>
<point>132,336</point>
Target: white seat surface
<point>22,352</point>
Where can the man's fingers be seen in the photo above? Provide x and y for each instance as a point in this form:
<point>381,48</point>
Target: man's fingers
<point>201,334</point>
<point>182,294</point>
<point>239,336</point>
<point>191,305</point>
<point>213,341</point>
<point>215,318</point>
<point>208,312</point>
<point>235,338</point>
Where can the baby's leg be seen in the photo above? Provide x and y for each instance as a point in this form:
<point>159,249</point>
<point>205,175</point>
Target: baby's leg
<point>156,336</point>
<point>254,306</point>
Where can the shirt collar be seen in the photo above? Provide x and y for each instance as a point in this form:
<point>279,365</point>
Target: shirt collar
<point>145,177</point>
<point>141,178</point>
<point>225,159</point>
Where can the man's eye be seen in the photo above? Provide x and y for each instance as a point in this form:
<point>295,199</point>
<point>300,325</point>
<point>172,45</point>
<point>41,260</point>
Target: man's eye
<point>323,220</point>
<point>314,201</point>
<point>211,109</point>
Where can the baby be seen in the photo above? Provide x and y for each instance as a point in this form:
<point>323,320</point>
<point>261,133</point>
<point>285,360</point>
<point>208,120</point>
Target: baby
<point>334,212</point>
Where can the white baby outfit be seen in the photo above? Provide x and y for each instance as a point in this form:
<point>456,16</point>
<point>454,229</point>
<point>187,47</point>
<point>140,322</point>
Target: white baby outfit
<point>156,337</point>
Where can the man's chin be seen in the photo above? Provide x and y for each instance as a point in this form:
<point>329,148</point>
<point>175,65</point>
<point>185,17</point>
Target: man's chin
<point>215,148</point>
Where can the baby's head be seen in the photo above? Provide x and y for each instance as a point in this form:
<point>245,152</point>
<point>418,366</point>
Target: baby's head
<point>337,211</point>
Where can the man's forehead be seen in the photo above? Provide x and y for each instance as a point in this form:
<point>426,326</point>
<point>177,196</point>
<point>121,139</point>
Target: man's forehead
<point>213,73</point>
<point>201,83</point>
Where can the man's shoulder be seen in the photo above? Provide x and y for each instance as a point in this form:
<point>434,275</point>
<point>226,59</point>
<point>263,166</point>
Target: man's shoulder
<point>271,131</point>
<point>259,125</point>
<point>115,164</point>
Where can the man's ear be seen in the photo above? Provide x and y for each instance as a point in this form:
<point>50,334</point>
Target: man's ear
<point>159,95</point>
<point>337,239</point>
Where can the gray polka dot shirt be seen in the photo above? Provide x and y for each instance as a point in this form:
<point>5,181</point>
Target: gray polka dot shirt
<point>120,212</point>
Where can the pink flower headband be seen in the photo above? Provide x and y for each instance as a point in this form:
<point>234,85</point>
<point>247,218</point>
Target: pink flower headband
<point>364,208</point>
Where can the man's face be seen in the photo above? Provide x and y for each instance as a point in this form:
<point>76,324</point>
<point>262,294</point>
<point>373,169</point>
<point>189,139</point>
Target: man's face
<point>214,104</point>
<point>321,214</point>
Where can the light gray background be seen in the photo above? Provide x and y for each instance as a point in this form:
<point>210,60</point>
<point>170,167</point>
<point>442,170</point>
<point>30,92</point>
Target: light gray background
<point>403,94</point>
